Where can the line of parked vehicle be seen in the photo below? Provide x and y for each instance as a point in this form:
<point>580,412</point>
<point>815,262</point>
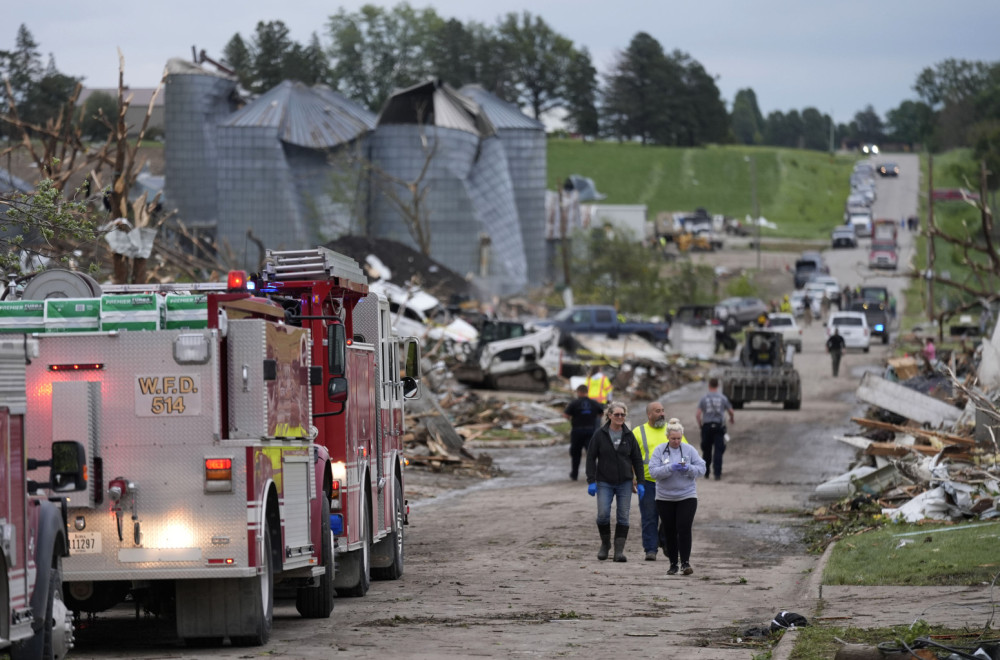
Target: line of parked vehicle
<point>858,219</point>
<point>864,313</point>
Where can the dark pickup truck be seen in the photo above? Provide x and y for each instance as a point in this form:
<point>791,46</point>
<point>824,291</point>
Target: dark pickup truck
<point>603,319</point>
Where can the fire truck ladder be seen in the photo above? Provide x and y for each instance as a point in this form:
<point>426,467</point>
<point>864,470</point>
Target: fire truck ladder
<point>316,264</point>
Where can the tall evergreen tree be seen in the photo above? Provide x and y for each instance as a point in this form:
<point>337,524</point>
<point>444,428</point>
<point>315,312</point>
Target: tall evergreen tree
<point>869,125</point>
<point>236,55</point>
<point>24,65</point>
<point>581,94</point>
<point>746,120</point>
<point>638,90</point>
<point>451,53</point>
<point>307,64</point>
<point>815,130</point>
<point>702,113</point>
<point>270,48</point>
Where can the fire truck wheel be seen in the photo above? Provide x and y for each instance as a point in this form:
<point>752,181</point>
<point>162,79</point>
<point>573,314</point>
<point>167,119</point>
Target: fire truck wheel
<point>53,641</point>
<point>317,602</point>
<point>394,571</point>
<point>364,558</point>
<point>263,593</point>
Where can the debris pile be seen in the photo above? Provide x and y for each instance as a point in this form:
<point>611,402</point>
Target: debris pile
<point>928,448</point>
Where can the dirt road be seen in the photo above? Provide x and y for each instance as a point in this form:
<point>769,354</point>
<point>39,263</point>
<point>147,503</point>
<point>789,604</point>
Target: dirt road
<point>508,567</point>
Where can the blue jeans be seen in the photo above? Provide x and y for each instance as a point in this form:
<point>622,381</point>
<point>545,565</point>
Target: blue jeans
<point>652,531</point>
<point>622,493</point>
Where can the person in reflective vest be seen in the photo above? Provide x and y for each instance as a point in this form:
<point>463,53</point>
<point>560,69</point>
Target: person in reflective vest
<point>651,435</point>
<point>599,386</point>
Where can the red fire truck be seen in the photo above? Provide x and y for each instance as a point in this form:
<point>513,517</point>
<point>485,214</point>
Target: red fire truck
<point>34,622</point>
<point>236,449</point>
<point>329,295</point>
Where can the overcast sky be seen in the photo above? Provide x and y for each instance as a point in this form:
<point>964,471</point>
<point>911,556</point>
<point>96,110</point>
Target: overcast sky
<point>835,56</point>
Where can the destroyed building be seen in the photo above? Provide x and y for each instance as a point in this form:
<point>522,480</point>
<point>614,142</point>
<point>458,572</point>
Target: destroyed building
<point>471,212</point>
<point>299,166</point>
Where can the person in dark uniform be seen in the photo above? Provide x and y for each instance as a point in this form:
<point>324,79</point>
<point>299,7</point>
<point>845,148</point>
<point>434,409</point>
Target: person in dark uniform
<point>711,417</point>
<point>585,417</point>
<point>835,347</point>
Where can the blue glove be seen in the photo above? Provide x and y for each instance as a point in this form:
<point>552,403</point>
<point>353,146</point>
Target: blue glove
<point>592,489</point>
<point>641,490</point>
<point>679,467</point>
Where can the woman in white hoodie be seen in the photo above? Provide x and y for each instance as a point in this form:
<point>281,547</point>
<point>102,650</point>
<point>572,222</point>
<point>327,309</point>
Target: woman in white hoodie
<point>676,467</point>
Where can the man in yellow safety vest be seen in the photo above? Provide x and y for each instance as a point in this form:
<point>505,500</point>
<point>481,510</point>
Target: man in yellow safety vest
<point>599,386</point>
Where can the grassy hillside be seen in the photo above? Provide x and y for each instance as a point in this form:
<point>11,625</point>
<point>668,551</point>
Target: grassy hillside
<point>803,192</point>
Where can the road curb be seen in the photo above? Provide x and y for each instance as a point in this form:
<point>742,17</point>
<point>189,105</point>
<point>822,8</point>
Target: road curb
<point>783,649</point>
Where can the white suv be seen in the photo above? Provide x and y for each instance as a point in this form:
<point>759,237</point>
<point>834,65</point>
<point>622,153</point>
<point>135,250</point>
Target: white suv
<point>853,327</point>
<point>789,329</point>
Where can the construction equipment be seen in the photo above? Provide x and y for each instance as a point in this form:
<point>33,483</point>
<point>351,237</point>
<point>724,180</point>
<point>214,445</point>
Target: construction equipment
<point>764,373</point>
<point>508,356</point>
<point>240,436</point>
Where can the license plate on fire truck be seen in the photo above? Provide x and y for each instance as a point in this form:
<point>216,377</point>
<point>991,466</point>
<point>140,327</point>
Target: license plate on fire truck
<point>84,543</point>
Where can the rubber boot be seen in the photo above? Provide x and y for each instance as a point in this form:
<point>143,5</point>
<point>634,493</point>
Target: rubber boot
<point>621,533</point>
<point>605,531</point>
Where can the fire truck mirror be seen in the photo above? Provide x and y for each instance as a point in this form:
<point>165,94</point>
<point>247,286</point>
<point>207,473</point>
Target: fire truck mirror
<point>315,375</point>
<point>336,340</point>
<point>337,390</point>
<point>412,366</point>
<point>69,466</point>
<point>410,388</point>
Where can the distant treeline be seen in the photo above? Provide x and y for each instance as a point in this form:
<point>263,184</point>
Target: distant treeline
<point>649,95</point>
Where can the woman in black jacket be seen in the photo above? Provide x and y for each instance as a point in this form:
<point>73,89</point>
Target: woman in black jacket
<point>613,463</point>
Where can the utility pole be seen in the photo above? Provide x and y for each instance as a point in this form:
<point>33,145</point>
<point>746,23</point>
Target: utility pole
<point>753,200</point>
<point>930,237</point>
<point>565,239</point>
<point>831,132</point>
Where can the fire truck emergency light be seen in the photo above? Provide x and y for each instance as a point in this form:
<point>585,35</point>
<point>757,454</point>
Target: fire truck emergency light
<point>237,280</point>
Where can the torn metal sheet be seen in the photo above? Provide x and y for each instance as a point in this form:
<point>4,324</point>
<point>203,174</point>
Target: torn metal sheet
<point>906,402</point>
<point>929,505</point>
<point>842,486</point>
<point>693,341</point>
<point>622,348</point>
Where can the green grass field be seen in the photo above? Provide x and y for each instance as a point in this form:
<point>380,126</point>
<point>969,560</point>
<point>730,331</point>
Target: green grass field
<point>932,555</point>
<point>802,192</point>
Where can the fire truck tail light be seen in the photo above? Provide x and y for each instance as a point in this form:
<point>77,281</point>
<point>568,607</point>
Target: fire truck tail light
<point>218,475</point>
<point>92,366</point>
<point>228,561</point>
<point>191,349</point>
<point>335,500</point>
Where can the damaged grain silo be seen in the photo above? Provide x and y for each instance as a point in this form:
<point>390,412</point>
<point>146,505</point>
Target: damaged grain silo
<point>442,141</point>
<point>196,102</point>
<point>289,166</point>
<point>524,143</point>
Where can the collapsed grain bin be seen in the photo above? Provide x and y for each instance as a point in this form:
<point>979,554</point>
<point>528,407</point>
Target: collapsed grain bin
<point>445,146</point>
<point>289,165</point>
<point>524,143</point>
